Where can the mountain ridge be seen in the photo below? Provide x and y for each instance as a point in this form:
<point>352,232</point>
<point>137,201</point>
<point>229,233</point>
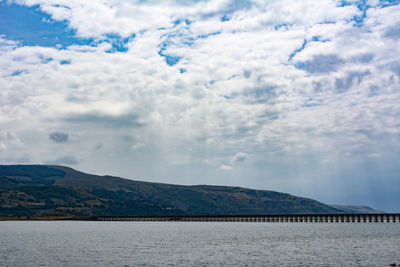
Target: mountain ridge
<point>356,209</point>
<point>51,190</point>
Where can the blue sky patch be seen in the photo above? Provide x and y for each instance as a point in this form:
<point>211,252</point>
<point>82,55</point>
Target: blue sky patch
<point>388,3</point>
<point>17,73</point>
<point>298,50</point>
<point>225,18</point>
<point>204,36</point>
<point>363,6</point>
<point>360,3</point>
<point>283,26</point>
<point>35,28</point>
<point>180,36</point>
<point>171,60</point>
<point>118,43</point>
<point>45,60</point>
<point>303,46</point>
<point>179,21</point>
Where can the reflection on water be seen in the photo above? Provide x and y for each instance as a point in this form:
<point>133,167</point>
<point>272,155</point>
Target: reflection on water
<point>63,243</point>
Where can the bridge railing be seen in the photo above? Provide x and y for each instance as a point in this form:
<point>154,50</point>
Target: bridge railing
<point>298,218</point>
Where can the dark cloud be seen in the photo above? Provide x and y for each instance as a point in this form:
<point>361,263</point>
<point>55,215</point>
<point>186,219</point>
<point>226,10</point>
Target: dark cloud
<point>65,160</point>
<point>239,157</point>
<point>321,64</point>
<point>230,8</point>
<point>393,33</point>
<point>129,120</point>
<point>59,137</point>
<point>269,116</point>
<point>395,67</point>
<point>364,58</point>
<point>261,94</point>
<point>344,84</point>
<point>98,146</point>
<point>77,99</point>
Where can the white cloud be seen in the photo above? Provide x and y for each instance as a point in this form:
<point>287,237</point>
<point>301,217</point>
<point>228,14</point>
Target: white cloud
<point>9,140</point>
<point>138,146</point>
<point>226,167</point>
<point>279,79</point>
<point>239,157</point>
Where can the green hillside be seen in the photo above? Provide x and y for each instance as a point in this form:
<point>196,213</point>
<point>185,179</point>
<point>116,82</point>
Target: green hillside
<point>39,190</point>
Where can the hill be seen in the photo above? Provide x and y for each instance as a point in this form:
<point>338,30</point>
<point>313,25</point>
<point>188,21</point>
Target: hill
<point>355,209</point>
<point>45,190</point>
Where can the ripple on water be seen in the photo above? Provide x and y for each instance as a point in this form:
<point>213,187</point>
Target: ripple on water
<point>30,243</point>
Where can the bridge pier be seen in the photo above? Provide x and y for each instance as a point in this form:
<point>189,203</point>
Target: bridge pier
<point>307,218</point>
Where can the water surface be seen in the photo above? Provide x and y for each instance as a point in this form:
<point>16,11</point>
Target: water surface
<point>68,243</point>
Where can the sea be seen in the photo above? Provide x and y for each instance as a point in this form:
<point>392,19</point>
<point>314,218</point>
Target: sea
<point>87,243</point>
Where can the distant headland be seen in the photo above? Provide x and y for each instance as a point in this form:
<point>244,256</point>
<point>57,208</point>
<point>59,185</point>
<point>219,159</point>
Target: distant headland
<point>59,192</point>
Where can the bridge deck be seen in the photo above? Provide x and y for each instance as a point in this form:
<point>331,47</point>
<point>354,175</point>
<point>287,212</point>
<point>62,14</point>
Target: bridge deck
<point>325,218</point>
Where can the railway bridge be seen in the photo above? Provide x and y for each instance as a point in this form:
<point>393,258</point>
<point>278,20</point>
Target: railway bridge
<point>299,218</point>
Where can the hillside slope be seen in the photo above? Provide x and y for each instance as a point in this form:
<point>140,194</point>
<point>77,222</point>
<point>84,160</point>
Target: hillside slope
<point>39,190</point>
<point>355,209</point>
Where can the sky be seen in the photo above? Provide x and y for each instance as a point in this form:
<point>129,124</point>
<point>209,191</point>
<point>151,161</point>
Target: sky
<point>301,97</point>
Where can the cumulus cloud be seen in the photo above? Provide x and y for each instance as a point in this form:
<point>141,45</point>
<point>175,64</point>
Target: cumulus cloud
<point>94,118</point>
<point>321,64</point>
<point>199,81</point>
<point>9,140</point>
<point>59,137</point>
<point>138,145</point>
<point>239,157</point>
<point>225,167</point>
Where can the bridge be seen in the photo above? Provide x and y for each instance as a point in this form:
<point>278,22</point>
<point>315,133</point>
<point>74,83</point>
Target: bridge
<point>299,218</point>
